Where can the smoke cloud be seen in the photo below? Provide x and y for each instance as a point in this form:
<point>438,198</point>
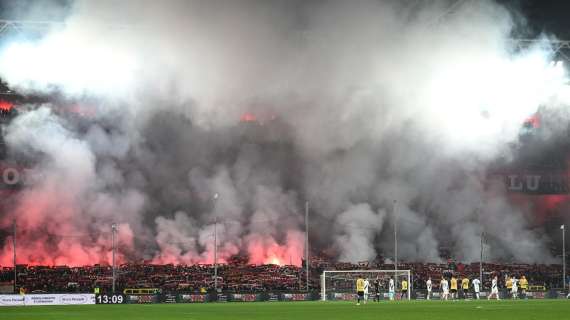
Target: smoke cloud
<point>379,113</point>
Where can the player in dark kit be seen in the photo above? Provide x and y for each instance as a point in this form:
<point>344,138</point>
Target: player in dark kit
<point>377,290</point>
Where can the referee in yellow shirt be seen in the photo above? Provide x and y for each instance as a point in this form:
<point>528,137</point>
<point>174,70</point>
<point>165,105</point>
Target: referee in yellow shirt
<point>359,290</point>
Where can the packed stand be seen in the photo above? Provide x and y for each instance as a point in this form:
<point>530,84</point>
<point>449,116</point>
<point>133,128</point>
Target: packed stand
<point>238,276</point>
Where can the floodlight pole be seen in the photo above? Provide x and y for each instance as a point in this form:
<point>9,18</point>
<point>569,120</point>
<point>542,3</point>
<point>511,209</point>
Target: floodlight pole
<point>395,237</point>
<point>113,231</point>
<point>14,249</point>
<point>307,243</point>
<point>216,195</point>
<point>481,261</point>
<point>563,258</point>
<point>216,254</point>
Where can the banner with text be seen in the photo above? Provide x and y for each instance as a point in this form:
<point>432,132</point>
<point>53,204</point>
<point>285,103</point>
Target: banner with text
<point>46,299</point>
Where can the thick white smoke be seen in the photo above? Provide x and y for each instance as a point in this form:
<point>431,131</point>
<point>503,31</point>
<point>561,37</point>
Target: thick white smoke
<point>374,101</point>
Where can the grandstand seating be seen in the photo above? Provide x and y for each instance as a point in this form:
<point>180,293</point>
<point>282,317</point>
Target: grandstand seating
<point>247,278</point>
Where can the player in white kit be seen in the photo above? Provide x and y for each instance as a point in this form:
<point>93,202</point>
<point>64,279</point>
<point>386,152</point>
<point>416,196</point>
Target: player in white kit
<point>476,287</point>
<point>494,289</point>
<point>444,285</point>
<point>391,291</point>
<point>515,288</point>
<point>366,287</point>
<point>428,286</point>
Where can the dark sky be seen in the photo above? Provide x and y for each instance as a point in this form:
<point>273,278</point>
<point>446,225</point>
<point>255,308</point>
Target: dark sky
<point>543,16</point>
<point>52,10</point>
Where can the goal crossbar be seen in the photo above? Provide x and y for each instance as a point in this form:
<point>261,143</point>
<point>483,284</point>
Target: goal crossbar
<point>406,273</point>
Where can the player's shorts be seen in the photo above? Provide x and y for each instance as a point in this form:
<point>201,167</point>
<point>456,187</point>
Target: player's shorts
<point>453,290</point>
<point>445,291</point>
<point>360,293</point>
<point>465,291</point>
<point>404,291</point>
<point>495,291</point>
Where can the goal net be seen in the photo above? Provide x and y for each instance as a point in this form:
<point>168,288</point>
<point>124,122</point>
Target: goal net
<point>341,284</point>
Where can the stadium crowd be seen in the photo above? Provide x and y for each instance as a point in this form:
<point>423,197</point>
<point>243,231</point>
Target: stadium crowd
<point>238,276</point>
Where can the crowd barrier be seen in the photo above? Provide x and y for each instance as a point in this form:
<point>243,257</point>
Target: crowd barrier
<point>46,299</point>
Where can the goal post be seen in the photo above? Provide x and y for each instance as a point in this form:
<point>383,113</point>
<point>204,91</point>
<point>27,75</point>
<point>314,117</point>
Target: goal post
<point>342,283</point>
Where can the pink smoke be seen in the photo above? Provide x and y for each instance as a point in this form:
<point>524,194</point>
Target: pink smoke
<point>50,230</point>
<point>265,250</point>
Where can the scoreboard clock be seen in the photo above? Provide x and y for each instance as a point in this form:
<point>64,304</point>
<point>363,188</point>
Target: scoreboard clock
<point>110,299</point>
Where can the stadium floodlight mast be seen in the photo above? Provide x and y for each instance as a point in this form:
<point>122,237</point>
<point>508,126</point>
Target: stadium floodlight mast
<point>113,231</point>
<point>307,243</point>
<point>215,199</point>
<point>479,210</point>
<point>14,249</point>
<point>481,260</point>
<point>395,235</point>
<point>563,258</point>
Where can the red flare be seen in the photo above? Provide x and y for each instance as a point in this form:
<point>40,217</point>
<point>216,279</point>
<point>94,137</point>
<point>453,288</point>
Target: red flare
<point>248,117</point>
<point>6,106</point>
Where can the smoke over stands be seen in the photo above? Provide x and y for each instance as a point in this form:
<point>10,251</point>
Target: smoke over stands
<point>272,103</point>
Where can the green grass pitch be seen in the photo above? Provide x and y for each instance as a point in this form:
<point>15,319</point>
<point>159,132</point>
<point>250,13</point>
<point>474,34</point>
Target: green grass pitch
<point>416,310</point>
